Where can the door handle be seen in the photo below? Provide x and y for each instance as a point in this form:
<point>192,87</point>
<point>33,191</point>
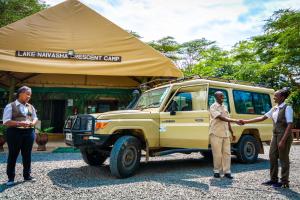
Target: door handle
<point>168,121</point>
<point>199,120</point>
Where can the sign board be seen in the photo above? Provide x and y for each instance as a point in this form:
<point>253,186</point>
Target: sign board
<point>57,55</point>
<point>70,102</point>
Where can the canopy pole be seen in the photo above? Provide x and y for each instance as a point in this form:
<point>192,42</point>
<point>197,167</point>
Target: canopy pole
<point>11,89</point>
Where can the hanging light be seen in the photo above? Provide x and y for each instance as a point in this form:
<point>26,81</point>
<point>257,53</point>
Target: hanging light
<point>71,53</point>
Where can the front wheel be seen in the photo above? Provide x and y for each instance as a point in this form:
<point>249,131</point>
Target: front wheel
<point>92,157</point>
<point>125,156</point>
<point>247,149</point>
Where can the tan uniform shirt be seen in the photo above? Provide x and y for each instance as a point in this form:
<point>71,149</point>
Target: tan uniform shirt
<point>218,127</point>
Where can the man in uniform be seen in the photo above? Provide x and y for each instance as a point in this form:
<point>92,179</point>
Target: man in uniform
<point>219,136</point>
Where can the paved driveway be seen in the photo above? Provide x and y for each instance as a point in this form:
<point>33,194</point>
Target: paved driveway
<point>178,176</point>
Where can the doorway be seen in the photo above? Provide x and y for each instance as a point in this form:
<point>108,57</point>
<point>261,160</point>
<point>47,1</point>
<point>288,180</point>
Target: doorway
<point>58,115</point>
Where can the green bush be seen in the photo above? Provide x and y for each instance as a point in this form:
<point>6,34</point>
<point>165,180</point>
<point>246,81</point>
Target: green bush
<point>2,129</point>
<point>44,130</point>
<point>294,100</point>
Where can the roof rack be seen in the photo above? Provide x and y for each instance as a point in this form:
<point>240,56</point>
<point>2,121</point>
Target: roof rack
<point>164,81</point>
<point>156,82</point>
<point>228,80</point>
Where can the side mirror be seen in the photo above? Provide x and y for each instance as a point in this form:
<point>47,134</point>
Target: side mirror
<point>174,108</point>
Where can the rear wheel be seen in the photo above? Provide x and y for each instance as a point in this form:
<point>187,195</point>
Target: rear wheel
<point>92,157</point>
<point>125,156</point>
<point>247,149</point>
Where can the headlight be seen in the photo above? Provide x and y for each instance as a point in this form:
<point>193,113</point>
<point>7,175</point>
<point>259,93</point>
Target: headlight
<point>89,125</point>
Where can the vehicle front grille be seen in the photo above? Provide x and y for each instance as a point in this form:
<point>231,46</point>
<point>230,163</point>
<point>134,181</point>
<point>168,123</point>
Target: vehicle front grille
<point>84,123</point>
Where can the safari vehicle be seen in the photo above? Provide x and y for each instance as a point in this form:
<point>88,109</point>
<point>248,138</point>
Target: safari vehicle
<point>171,118</point>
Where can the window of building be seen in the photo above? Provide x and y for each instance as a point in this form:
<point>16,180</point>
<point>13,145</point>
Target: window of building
<point>103,105</point>
<point>251,102</point>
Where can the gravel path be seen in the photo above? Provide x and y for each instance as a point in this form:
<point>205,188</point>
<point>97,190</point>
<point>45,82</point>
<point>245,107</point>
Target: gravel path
<point>178,176</point>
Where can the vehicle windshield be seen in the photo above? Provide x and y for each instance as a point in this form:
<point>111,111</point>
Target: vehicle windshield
<point>152,99</point>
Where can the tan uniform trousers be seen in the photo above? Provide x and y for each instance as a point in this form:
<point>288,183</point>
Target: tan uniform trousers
<point>221,153</point>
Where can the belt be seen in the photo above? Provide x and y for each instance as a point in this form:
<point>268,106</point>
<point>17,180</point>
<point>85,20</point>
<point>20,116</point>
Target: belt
<point>22,127</point>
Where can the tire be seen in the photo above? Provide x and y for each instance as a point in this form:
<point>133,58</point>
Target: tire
<point>125,156</point>
<point>247,149</point>
<point>92,158</point>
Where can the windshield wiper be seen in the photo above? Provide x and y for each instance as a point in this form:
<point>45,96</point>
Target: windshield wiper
<point>141,107</point>
<point>153,105</point>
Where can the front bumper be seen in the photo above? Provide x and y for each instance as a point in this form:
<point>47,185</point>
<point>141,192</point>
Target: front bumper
<point>79,131</point>
<point>83,139</point>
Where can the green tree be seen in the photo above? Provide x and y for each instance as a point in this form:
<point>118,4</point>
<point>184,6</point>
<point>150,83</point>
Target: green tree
<point>135,34</point>
<point>191,52</point>
<point>14,10</point>
<point>213,62</point>
<point>167,46</point>
<point>294,100</point>
<point>246,61</point>
<point>279,48</point>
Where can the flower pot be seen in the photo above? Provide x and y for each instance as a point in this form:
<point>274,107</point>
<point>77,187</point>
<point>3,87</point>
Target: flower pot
<point>2,142</point>
<point>41,140</point>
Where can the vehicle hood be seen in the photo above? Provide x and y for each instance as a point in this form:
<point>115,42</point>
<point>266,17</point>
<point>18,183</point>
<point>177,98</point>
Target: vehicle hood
<point>128,114</point>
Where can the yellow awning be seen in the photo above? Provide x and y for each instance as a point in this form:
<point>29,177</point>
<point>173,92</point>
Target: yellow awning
<point>73,26</point>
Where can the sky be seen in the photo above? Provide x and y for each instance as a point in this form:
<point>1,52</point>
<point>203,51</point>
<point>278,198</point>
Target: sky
<point>223,21</point>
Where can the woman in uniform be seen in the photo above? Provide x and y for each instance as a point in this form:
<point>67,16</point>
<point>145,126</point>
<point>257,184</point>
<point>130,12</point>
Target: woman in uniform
<point>20,118</point>
<point>282,116</point>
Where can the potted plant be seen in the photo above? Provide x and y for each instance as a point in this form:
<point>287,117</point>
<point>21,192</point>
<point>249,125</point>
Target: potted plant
<point>2,136</point>
<point>42,137</point>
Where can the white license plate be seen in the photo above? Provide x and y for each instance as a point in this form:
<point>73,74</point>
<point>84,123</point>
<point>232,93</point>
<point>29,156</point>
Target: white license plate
<point>69,136</point>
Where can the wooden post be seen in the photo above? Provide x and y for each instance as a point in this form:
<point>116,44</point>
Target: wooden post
<point>296,133</point>
<point>11,89</point>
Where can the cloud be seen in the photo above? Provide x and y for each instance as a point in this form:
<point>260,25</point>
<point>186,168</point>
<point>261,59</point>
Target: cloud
<point>226,22</point>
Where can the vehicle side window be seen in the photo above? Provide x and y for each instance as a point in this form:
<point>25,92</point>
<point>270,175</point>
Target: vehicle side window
<point>243,102</point>
<point>184,101</point>
<point>211,97</point>
<point>262,103</point>
<point>251,102</point>
<point>190,99</point>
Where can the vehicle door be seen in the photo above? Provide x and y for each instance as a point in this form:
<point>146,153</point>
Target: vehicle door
<point>184,122</point>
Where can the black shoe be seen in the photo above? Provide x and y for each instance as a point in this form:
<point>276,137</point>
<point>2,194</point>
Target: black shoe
<point>217,175</point>
<point>281,185</point>
<point>228,176</point>
<point>10,182</point>
<point>29,178</point>
<point>270,183</point>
